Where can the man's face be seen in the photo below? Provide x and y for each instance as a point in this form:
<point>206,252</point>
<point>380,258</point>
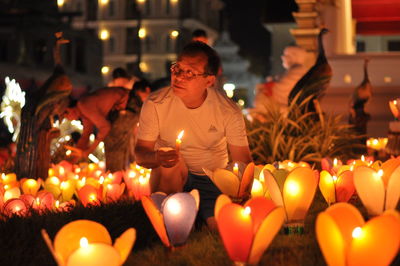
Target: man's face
<point>188,77</point>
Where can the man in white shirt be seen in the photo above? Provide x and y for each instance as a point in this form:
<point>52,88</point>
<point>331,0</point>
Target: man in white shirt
<point>213,124</point>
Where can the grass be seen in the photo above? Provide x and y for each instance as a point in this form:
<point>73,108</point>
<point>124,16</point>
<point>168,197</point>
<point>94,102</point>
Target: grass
<point>21,242</point>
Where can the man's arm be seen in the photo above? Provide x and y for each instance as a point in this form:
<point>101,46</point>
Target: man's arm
<point>147,157</point>
<point>240,153</point>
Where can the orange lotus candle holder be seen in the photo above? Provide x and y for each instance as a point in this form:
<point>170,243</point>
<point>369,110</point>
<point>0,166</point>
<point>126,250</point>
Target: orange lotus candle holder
<point>378,186</point>
<point>346,239</point>
<point>172,216</point>
<point>246,231</point>
<point>85,242</point>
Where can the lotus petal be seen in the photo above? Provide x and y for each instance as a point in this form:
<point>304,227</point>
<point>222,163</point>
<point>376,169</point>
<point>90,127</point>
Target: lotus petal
<point>378,244</point>
<point>156,219</point>
<point>327,187</point>
<point>124,243</point>
<point>393,190</point>
<point>370,189</point>
<point>247,180</point>
<point>388,168</point>
<point>226,181</point>
<point>345,186</point>
<point>298,192</point>
<point>236,229</point>
<point>273,188</point>
<point>222,200</point>
<point>267,231</point>
<point>260,208</point>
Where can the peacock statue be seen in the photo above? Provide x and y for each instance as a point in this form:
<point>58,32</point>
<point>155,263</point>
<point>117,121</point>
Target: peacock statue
<point>362,93</point>
<point>315,82</point>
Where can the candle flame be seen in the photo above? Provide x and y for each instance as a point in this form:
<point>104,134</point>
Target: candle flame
<point>31,182</point>
<point>84,243</point>
<point>363,158</point>
<point>357,232</point>
<point>142,180</point>
<point>335,162</point>
<point>109,186</point>
<point>62,170</point>
<point>380,173</point>
<point>180,135</point>
<point>68,152</point>
<point>17,208</point>
<point>101,180</point>
<point>37,201</point>
<point>57,204</point>
<point>334,178</point>
<point>92,197</point>
<point>247,210</point>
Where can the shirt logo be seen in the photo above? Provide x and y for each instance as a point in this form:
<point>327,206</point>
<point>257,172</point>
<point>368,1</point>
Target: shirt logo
<point>212,129</point>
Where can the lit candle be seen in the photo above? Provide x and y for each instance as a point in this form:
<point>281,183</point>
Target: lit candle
<point>257,189</point>
<point>236,169</point>
<point>94,254</point>
<point>179,140</point>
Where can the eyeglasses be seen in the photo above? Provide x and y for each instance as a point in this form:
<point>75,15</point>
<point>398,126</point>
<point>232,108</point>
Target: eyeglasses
<point>186,74</point>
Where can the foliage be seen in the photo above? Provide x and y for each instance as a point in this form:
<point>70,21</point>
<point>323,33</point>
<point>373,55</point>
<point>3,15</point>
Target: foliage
<point>298,136</point>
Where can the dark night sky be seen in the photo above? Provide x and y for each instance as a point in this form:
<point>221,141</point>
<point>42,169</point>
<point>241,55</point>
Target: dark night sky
<point>246,28</point>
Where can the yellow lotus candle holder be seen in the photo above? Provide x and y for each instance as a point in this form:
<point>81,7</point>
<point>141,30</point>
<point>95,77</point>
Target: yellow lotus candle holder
<point>294,193</point>
<point>346,239</point>
<point>85,242</point>
<point>233,183</point>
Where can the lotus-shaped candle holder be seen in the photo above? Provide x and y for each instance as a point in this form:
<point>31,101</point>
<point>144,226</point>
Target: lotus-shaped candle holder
<point>294,192</point>
<point>247,231</point>
<point>338,188</point>
<point>85,242</point>
<point>172,216</point>
<point>346,239</point>
<point>233,183</point>
<point>378,189</point>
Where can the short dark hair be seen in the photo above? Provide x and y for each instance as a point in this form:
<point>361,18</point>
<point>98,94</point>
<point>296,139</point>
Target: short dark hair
<point>199,33</point>
<point>141,85</point>
<point>199,48</point>
<point>119,72</point>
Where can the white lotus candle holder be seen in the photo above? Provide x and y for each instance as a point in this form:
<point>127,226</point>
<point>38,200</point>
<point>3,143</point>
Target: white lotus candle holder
<point>172,216</point>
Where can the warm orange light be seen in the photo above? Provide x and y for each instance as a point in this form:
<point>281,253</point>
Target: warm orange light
<point>247,211</point>
<point>57,204</point>
<point>142,33</point>
<point>293,188</point>
<point>335,162</point>
<point>179,139</point>
<point>104,34</point>
<point>363,158</point>
<point>92,197</point>
<point>236,169</point>
<point>174,33</point>
<point>101,180</point>
<point>334,178</point>
<point>54,180</point>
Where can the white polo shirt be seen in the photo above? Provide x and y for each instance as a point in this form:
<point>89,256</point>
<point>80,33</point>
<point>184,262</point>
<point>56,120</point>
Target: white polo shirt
<point>208,128</point>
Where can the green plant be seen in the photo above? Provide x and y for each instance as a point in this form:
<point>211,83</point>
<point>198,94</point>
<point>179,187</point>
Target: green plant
<point>298,136</point>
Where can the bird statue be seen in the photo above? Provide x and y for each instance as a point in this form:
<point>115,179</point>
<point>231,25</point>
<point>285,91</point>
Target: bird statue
<point>362,93</point>
<point>314,83</point>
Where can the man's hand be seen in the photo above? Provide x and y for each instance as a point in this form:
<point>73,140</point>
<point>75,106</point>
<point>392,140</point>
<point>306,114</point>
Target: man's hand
<point>167,157</point>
